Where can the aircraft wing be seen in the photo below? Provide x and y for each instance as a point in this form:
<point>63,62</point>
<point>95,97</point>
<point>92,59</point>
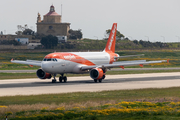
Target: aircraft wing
<point>122,64</point>
<point>28,62</point>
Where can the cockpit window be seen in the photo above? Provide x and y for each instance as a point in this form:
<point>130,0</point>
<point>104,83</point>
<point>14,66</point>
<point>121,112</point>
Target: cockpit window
<point>53,59</point>
<point>48,59</point>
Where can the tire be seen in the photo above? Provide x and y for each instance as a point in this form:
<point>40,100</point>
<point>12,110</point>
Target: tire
<point>65,79</point>
<point>53,80</point>
<point>60,79</point>
<point>103,76</point>
<point>95,80</point>
<point>100,80</point>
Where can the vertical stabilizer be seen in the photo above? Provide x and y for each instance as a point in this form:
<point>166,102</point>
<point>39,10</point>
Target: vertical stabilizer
<point>110,46</point>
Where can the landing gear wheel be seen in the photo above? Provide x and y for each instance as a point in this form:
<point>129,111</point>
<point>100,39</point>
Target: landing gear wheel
<point>53,80</point>
<point>95,80</point>
<point>103,76</point>
<point>60,79</point>
<point>100,80</point>
<point>65,79</point>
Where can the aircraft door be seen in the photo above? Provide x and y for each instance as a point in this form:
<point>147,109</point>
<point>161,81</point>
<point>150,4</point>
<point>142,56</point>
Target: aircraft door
<point>63,65</point>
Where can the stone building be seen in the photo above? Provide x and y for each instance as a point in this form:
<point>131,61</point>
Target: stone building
<point>13,37</point>
<point>51,24</point>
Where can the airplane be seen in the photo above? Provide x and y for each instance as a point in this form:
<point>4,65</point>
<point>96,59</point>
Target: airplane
<point>96,63</point>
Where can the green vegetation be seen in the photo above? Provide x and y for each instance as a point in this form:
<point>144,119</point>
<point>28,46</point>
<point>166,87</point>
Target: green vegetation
<point>125,44</point>
<point>118,34</point>
<point>75,34</point>
<point>17,75</point>
<point>49,41</point>
<point>119,104</point>
<point>121,110</point>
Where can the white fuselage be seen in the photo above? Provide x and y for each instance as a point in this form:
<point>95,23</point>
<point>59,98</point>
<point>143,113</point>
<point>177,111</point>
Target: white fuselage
<point>71,62</point>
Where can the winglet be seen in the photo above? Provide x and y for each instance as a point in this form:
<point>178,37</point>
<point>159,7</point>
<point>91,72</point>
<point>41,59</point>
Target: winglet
<point>31,65</point>
<point>12,59</point>
<point>121,67</point>
<point>141,65</point>
<point>168,61</point>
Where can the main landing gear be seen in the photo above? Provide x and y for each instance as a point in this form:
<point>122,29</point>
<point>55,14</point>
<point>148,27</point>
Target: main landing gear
<point>100,80</point>
<point>61,78</point>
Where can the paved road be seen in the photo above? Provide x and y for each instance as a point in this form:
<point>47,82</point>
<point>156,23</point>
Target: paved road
<point>117,69</point>
<point>82,84</point>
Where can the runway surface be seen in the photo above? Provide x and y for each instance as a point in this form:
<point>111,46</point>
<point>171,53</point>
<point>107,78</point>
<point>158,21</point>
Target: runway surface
<point>83,84</point>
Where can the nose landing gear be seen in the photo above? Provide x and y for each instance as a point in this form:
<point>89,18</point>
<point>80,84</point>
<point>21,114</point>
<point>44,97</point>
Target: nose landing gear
<point>62,77</point>
<point>54,80</point>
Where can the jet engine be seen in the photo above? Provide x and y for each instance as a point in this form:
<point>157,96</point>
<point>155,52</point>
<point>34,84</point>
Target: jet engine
<point>96,73</point>
<point>43,75</point>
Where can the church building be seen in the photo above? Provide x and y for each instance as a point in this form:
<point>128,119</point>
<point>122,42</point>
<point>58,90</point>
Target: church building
<point>51,24</point>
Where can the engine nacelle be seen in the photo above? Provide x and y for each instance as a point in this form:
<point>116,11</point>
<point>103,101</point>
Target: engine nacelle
<point>96,73</point>
<point>43,75</point>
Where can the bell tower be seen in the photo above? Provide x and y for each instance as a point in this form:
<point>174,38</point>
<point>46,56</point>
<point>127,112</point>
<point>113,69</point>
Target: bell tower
<point>52,9</point>
<point>39,18</point>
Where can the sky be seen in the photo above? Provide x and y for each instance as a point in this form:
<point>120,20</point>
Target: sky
<point>153,20</point>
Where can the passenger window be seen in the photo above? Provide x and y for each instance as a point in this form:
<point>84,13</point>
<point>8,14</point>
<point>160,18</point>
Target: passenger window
<point>44,59</point>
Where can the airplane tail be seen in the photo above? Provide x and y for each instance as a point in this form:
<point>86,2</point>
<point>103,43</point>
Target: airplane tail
<point>110,46</point>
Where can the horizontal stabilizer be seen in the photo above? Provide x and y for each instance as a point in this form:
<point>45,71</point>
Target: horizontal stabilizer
<point>129,56</point>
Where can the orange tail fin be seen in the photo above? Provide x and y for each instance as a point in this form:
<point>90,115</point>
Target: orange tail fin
<point>110,46</point>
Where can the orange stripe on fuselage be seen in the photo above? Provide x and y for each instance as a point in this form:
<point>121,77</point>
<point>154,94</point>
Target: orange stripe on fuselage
<point>70,57</point>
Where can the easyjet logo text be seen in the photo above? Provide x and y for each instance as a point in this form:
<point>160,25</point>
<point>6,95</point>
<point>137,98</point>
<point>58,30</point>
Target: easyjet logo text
<point>70,57</point>
<point>112,37</point>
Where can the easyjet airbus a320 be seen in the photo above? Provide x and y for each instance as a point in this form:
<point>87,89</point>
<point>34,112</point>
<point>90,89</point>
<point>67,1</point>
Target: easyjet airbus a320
<point>96,63</point>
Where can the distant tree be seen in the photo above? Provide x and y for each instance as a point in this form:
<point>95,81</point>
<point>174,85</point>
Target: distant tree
<point>28,32</point>
<point>135,41</point>
<point>18,32</point>
<point>49,41</point>
<point>126,38</point>
<point>39,36</point>
<point>75,34</point>
<point>118,34</point>
<point>141,42</point>
<point>24,30</point>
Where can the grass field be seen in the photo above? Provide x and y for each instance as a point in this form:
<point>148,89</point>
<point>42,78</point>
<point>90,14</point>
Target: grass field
<point>121,104</point>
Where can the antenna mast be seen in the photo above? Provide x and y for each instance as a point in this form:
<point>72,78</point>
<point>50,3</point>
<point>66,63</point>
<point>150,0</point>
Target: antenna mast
<point>61,12</point>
